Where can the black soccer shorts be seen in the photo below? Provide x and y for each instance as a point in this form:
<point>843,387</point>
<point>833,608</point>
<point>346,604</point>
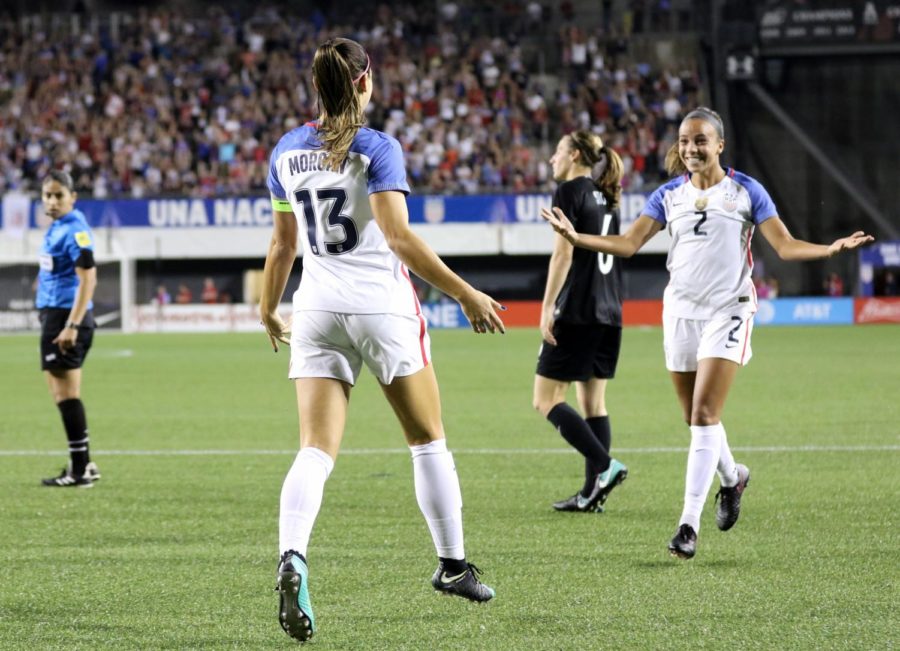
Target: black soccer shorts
<point>53,320</point>
<point>583,351</point>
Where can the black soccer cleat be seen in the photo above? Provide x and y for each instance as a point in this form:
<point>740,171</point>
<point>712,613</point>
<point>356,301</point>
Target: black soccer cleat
<point>729,500</point>
<point>463,584</point>
<point>684,543</point>
<point>578,504</point>
<point>294,608</point>
<point>66,479</point>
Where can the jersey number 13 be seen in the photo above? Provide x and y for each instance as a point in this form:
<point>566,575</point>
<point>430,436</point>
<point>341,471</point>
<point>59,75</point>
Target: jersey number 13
<point>330,202</point>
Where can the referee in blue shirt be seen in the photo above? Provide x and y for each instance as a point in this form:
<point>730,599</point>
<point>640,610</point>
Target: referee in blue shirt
<point>66,283</point>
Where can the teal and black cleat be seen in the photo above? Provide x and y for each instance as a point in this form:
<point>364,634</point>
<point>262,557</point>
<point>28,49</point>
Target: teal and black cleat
<point>463,584</point>
<point>294,608</point>
<point>609,479</point>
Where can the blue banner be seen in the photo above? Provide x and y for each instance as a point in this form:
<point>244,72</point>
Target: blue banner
<point>805,311</point>
<point>257,211</point>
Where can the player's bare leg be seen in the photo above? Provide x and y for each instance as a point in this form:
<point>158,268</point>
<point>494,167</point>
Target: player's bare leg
<point>709,451</point>
<point>322,404</point>
<point>416,401</point>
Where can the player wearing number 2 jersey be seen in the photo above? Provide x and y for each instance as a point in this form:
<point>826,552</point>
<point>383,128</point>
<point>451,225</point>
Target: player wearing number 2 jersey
<point>581,317</point>
<point>341,189</point>
<point>708,307</point>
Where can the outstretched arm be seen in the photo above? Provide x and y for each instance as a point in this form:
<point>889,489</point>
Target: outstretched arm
<point>392,217</point>
<point>624,246</point>
<point>788,248</point>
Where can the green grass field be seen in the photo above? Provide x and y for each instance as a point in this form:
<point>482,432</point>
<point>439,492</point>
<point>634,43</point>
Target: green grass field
<point>175,548</point>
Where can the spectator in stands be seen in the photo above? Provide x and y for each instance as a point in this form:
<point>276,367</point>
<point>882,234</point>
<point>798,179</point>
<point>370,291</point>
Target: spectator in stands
<point>890,283</point>
<point>66,283</point>
<point>163,118</point>
<point>161,296</point>
<point>834,285</point>
<point>184,295</point>
<point>209,293</point>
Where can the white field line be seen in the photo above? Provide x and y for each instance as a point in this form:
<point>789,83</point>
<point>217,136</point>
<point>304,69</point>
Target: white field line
<point>477,451</point>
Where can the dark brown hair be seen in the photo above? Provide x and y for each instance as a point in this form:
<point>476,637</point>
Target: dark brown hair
<point>61,177</point>
<point>337,66</point>
<point>606,165</point>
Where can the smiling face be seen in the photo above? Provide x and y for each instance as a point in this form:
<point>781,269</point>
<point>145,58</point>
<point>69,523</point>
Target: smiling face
<point>58,199</point>
<point>699,146</point>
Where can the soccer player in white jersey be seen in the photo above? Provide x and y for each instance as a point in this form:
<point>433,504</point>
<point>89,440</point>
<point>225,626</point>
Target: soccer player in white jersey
<point>341,187</point>
<point>708,306</point>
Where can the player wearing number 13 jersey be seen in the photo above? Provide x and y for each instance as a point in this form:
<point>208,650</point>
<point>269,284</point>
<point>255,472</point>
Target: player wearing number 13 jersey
<point>342,190</point>
<point>711,213</point>
<point>347,264</point>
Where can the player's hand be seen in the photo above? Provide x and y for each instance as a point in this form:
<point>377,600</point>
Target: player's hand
<point>547,323</point>
<point>66,339</point>
<point>276,329</point>
<point>560,223</point>
<point>481,311</point>
<point>858,239</point>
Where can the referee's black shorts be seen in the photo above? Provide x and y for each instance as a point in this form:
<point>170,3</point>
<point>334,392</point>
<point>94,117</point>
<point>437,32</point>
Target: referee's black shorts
<point>582,352</point>
<point>53,320</point>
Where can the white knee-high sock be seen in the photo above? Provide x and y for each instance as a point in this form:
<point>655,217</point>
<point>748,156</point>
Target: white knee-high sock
<point>301,497</point>
<point>727,468</point>
<point>439,497</point>
<point>703,457</point>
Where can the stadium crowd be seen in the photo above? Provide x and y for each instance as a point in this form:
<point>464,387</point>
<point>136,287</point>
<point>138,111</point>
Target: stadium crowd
<point>160,103</point>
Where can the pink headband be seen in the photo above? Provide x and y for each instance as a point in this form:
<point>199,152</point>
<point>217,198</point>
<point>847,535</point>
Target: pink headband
<point>363,73</point>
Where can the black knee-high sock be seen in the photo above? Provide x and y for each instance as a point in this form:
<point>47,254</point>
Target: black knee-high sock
<point>600,427</point>
<point>579,435</point>
<point>75,422</point>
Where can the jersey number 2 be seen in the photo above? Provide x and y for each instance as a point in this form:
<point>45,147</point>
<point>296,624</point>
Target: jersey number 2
<point>604,260</point>
<point>697,226</point>
<point>338,198</point>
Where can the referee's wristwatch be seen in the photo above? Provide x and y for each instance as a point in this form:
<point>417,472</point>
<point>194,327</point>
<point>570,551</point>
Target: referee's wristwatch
<point>73,325</point>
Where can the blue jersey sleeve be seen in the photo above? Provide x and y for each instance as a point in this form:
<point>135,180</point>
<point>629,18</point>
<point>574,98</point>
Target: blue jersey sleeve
<point>761,205</point>
<point>386,167</point>
<point>655,207</point>
<point>274,185</point>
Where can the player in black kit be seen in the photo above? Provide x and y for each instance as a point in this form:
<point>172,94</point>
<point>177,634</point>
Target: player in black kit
<point>581,316</point>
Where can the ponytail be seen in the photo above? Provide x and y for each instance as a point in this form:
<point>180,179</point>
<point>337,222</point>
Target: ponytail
<point>337,67</point>
<point>674,165</point>
<point>607,175</point>
<point>606,165</point>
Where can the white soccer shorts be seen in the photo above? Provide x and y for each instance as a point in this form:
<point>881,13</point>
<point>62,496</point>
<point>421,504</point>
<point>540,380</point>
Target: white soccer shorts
<point>335,345</point>
<point>726,336</point>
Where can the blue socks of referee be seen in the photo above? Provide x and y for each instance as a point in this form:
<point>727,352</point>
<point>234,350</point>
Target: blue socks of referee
<point>577,433</point>
<point>75,423</point>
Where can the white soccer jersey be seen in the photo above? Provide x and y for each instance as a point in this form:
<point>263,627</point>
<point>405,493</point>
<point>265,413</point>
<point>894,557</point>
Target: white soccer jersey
<point>709,259</point>
<point>347,265</point>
